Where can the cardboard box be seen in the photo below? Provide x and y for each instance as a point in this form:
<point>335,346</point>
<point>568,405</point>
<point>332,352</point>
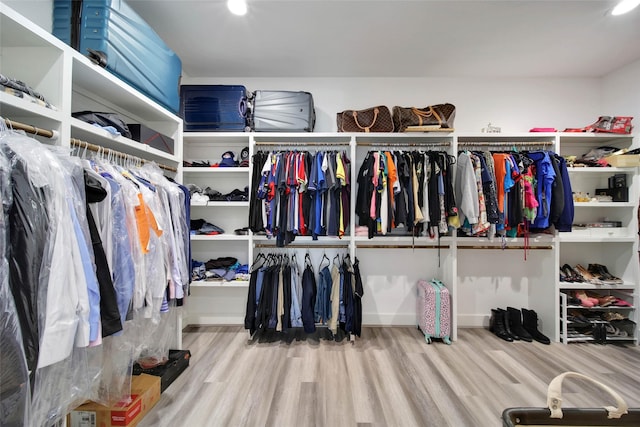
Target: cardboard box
<point>624,160</point>
<point>145,393</point>
<point>150,137</point>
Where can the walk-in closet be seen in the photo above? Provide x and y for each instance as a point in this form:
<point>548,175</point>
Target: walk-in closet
<point>169,257</point>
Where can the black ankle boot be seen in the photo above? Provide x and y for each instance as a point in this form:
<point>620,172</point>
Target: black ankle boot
<point>507,324</point>
<point>600,333</point>
<point>515,323</point>
<point>530,324</point>
<point>497,325</point>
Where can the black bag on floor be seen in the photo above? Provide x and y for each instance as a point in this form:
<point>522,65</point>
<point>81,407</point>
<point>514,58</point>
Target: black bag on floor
<point>169,371</point>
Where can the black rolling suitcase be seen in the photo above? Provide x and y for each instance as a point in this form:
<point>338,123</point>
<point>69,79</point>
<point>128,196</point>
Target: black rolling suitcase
<point>169,371</point>
<point>555,415</point>
<point>282,111</point>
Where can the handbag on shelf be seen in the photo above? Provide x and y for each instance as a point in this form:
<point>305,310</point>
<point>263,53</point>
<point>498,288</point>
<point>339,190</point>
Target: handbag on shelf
<point>375,119</point>
<point>432,117</point>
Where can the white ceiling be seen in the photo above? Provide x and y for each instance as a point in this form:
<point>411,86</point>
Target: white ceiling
<point>396,38</point>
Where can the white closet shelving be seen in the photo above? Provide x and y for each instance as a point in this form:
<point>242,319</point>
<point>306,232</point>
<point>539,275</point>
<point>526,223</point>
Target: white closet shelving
<point>616,248</point>
<point>481,273</point>
<point>71,83</point>
<point>218,302</point>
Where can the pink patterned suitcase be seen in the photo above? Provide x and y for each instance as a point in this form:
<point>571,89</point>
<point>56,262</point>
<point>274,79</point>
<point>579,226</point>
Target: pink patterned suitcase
<point>434,310</point>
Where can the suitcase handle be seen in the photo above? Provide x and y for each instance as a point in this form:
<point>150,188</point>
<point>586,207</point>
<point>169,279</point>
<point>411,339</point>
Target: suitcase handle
<point>554,396</point>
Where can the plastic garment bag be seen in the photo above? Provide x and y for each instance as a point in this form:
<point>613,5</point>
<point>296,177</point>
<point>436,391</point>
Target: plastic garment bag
<point>173,201</point>
<point>126,239</point>
<point>45,266</point>
<point>14,376</point>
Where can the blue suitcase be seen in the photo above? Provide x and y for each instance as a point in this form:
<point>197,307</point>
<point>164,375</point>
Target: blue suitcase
<point>133,50</point>
<point>213,108</point>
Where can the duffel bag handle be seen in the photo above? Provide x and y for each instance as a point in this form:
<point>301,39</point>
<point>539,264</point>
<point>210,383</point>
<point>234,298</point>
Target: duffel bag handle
<point>554,396</point>
<point>373,122</point>
<point>425,114</point>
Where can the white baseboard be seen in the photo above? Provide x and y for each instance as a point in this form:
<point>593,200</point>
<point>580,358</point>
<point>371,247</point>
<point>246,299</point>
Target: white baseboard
<point>473,321</point>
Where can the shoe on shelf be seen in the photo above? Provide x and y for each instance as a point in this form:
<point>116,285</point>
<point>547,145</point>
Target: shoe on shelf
<point>602,273</point>
<point>588,277</point>
<point>572,300</point>
<point>627,327</point>
<point>577,317</point>
<point>614,331</point>
<point>619,302</point>
<point>585,301</point>
<point>571,274</point>
<point>613,315</point>
<point>603,300</point>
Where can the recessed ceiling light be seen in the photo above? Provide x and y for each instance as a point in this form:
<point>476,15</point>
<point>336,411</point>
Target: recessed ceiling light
<point>625,6</point>
<point>239,7</point>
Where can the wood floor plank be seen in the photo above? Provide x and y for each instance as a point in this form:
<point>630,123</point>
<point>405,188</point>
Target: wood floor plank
<point>389,377</point>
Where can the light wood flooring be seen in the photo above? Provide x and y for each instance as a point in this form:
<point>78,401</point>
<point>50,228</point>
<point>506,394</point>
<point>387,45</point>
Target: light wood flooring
<point>389,377</point>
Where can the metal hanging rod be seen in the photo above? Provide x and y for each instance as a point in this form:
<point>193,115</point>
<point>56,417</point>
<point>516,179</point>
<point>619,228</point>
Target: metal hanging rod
<point>505,144</point>
<point>528,248</point>
<point>404,144</point>
<point>302,144</point>
<point>52,134</point>
<point>407,246</point>
<point>302,246</point>
<point>47,133</point>
<point>97,148</point>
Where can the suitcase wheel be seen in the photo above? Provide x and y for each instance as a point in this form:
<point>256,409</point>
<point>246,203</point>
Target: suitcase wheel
<point>97,57</point>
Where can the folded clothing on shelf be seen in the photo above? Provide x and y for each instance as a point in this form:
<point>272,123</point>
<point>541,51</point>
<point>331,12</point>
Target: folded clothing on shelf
<point>202,227</point>
<point>223,268</point>
<point>233,196</point>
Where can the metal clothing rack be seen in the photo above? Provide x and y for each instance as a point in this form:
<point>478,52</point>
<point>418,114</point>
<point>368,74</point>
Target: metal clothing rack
<point>293,245</point>
<point>505,144</point>
<point>405,246</point>
<point>302,144</point>
<point>397,145</point>
<point>52,134</point>
<point>97,148</point>
<point>502,248</point>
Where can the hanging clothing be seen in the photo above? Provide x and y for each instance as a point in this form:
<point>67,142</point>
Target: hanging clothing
<point>298,193</point>
<point>534,192</point>
<point>14,374</point>
<point>410,190</point>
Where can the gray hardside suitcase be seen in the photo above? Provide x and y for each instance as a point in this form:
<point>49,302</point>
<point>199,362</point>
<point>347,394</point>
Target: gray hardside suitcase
<point>282,111</point>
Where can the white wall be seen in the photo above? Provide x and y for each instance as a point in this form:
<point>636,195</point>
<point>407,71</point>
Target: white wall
<point>621,93</point>
<point>40,12</point>
<point>515,104</point>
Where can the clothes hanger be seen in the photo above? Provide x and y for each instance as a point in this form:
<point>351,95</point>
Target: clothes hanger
<point>324,257</point>
<point>307,260</point>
